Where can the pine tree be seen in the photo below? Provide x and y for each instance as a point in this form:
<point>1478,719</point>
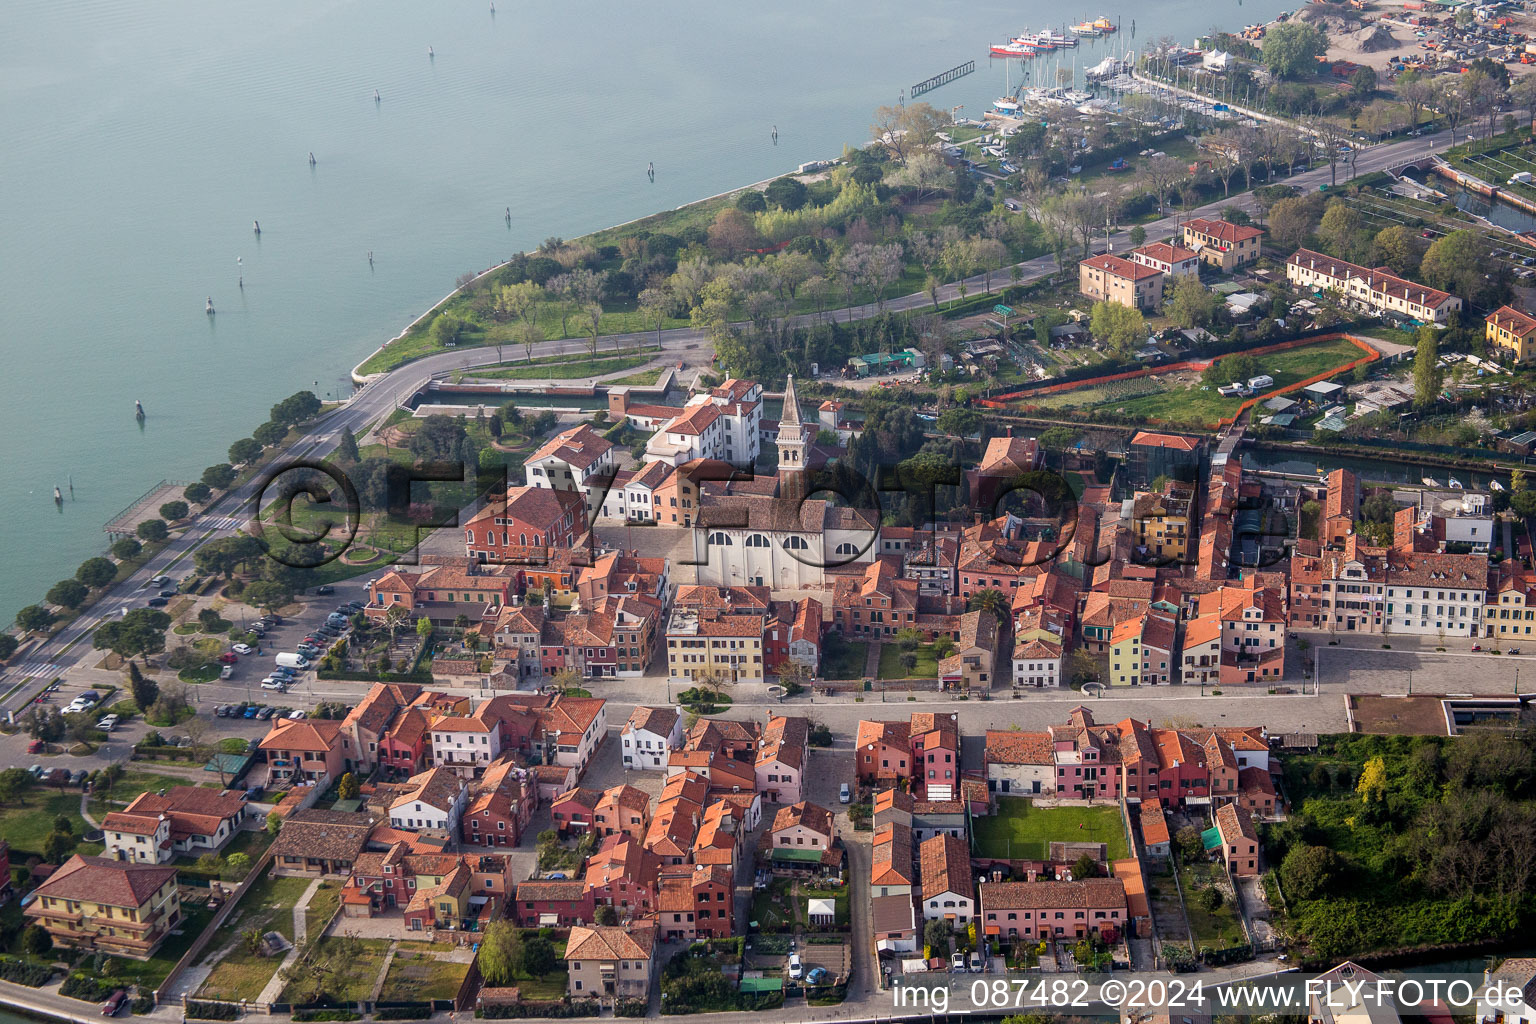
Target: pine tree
<point>144,691</point>
<point>347,449</point>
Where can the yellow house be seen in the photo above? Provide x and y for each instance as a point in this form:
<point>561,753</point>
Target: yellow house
<point>1512,332</point>
<point>1161,523</point>
<point>1513,614</point>
<point>113,906</point>
<point>703,642</point>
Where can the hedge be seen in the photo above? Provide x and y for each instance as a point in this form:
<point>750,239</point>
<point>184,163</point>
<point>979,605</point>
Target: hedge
<point>503,1011</point>
<point>213,1011</point>
<point>630,1008</point>
<point>87,987</point>
<point>414,1011</point>
<point>23,972</point>
<point>304,1015</point>
<point>142,1005</point>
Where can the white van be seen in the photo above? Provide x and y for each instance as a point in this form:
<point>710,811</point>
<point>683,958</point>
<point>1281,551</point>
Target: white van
<point>294,661</point>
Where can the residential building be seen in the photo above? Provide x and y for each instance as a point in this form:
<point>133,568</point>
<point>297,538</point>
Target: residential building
<point>935,754</point>
<point>580,460</point>
<point>1378,291</point>
<point>574,812</point>
<point>894,923</point>
<point>1005,460</point>
<point>1038,911</point>
<point>877,604</point>
<point>624,875</point>
<point>314,842</point>
<point>1142,649</point>
<point>891,865</point>
<point>1173,260</point>
<point>432,801</point>
<point>1037,663</point>
<point>696,902</point>
<point>622,810</point>
<point>1162,523</point>
<point>306,750</point>
<point>1114,279</point>
<point>611,963</point>
<point>1239,839</point>
<point>189,820</point>
<point>1431,594</point>
<point>1508,995</point>
<point>973,665</point>
<point>500,804</point>
<point>545,903</point>
<point>443,592</point>
<point>1341,507</point>
<point>783,756</point>
<point>704,643</point>
<point>1511,332</point>
<point>802,826</point>
<point>949,892</point>
<point>1222,244</point>
<point>108,906</point>
<point>649,737</point>
<point>1512,606</point>
<point>1151,455</point>
<point>519,530</point>
<point>882,752</point>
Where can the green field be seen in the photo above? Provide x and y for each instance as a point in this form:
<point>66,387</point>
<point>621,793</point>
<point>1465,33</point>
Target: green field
<point>267,906</point>
<point>26,822</point>
<point>841,659</point>
<point>891,668</point>
<point>417,977</point>
<point>355,980</point>
<point>575,369</point>
<point>1179,397</point>
<point>1021,831</point>
<point>1217,930</point>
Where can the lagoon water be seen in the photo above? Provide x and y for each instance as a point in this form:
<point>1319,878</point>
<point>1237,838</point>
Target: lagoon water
<point>140,141</point>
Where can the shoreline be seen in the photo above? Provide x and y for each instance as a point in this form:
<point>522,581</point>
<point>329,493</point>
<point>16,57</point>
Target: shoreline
<point>359,379</point>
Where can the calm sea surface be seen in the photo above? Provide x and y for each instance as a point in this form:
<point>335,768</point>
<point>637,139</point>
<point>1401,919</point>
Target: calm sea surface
<point>138,142</point>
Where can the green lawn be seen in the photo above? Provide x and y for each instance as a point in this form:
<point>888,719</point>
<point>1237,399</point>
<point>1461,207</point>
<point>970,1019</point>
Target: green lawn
<point>1021,831</point>
<point>25,823</point>
<point>321,908</point>
<point>267,906</point>
<point>643,379</point>
<point>838,896</point>
<point>1180,399</point>
<point>550,987</point>
<point>841,659</point>
<point>891,667</point>
<point>1217,930</point>
<point>771,907</point>
<point>420,976</point>
<point>134,782</point>
<point>148,974</point>
<point>576,369</point>
<point>356,982</point>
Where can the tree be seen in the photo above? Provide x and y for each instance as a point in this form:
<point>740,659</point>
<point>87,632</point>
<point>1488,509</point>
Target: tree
<point>786,193</point>
<point>1120,327</point>
<point>1397,247</point>
<point>269,433</point>
<point>1208,899</point>
<point>1292,221</point>
<point>1190,846</point>
<point>1308,872</point>
<point>57,846</point>
<point>245,450</point>
<point>751,201</point>
<point>347,788</point>
<point>237,865</point>
<point>1484,91</point>
<point>69,594</point>
<point>1372,786</point>
<point>501,953</point>
<point>14,783</point>
<point>346,448</point>
<point>1085,867</point>
<point>220,476</point>
<point>1160,174</point>
<point>274,823</point>
<point>439,439</point>
<point>127,549</point>
<point>733,233</point>
<point>1293,47</point>
<point>907,129</point>
<point>592,316</point>
<point>197,492</point>
<point>605,915</point>
<point>1342,232</point>
<point>1191,304</point>
<point>8,645</point>
<point>96,572</point>
<point>174,510</point>
<point>36,940</point>
<point>34,617</point>
<point>1461,262</point>
<point>924,173</point>
<point>296,408</point>
<point>153,530</point>
<point>538,957</point>
<point>1452,101</point>
<point>1362,83</point>
<point>1426,368</point>
<point>145,690</point>
<point>447,329</point>
<point>937,933</point>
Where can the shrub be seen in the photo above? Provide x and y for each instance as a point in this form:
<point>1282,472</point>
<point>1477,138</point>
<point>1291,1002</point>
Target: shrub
<point>86,987</point>
<point>306,1015</point>
<point>215,1011</point>
<point>25,973</point>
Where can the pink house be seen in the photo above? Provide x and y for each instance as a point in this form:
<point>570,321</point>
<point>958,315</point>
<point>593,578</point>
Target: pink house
<point>403,748</point>
<point>936,754</point>
<point>306,749</point>
<point>553,904</point>
<point>575,811</point>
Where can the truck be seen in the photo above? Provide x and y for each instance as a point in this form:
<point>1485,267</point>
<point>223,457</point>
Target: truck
<point>1520,178</point>
<point>294,661</point>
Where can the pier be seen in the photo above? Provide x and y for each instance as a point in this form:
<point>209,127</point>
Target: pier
<point>929,84</point>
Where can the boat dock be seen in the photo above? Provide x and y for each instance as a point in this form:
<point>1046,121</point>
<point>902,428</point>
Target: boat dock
<point>929,84</point>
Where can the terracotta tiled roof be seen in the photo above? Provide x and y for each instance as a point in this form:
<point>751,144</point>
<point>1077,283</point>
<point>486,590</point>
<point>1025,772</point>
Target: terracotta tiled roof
<point>1120,267</point>
<point>1222,231</point>
<point>598,943</point>
<point>102,880</point>
<point>1154,824</point>
<point>1006,747</point>
<point>552,890</point>
<point>817,819</point>
<point>654,720</point>
<point>1086,894</point>
<point>1235,822</point>
<point>1516,322</point>
<point>946,866</point>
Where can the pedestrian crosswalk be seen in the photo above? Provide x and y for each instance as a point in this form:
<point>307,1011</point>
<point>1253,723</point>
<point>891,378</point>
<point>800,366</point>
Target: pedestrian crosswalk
<point>37,668</point>
<point>224,522</point>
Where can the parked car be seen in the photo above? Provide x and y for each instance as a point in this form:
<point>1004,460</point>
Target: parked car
<point>79,777</point>
<point>957,962</point>
<point>272,683</point>
<point>108,723</point>
<point>169,592</point>
<point>157,602</point>
<point>266,712</point>
<point>357,606</point>
<point>227,672</point>
<point>257,628</point>
<point>844,794</point>
<point>325,589</point>
<point>242,648</point>
<point>296,715</point>
<point>816,976</point>
<point>255,793</point>
<point>36,771</point>
<point>229,657</point>
<point>796,968</point>
<point>977,965</point>
<point>35,747</point>
<point>159,581</point>
<point>222,711</point>
<point>251,709</point>
<point>115,1002</point>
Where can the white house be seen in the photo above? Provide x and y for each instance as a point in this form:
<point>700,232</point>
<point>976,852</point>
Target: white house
<point>1037,663</point>
<point>578,459</point>
<point>432,800</point>
<point>189,820</point>
<point>649,736</point>
<point>949,891</point>
<point>1436,594</point>
<point>467,743</point>
<point>1508,995</point>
